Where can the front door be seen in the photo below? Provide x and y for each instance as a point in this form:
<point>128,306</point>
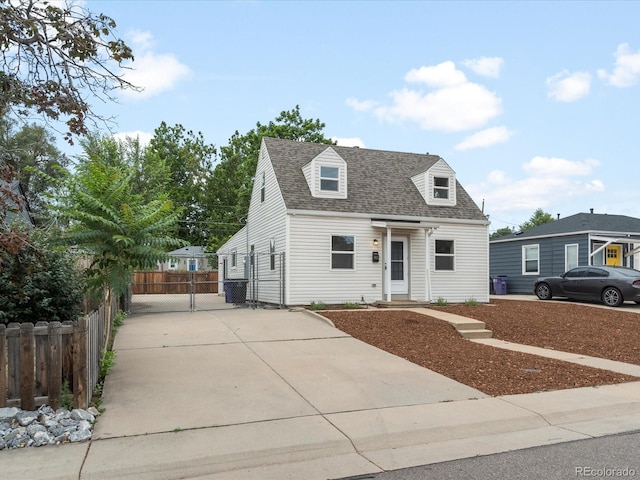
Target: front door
<point>399,266</point>
<point>613,254</point>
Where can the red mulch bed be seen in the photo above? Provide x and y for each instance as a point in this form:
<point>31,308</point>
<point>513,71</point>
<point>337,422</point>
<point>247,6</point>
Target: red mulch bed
<point>434,344</point>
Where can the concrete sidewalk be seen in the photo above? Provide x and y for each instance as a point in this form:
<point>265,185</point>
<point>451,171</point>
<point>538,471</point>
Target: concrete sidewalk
<point>277,394</point>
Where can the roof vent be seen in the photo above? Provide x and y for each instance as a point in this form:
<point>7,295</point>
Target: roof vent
<point>591,210</point>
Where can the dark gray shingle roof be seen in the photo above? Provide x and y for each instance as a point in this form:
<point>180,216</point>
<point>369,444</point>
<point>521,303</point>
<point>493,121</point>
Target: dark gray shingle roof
<point>378,182</point>
<point>581,222</point>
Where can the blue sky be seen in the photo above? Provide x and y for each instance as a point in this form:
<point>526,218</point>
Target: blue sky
<point>533,104</point>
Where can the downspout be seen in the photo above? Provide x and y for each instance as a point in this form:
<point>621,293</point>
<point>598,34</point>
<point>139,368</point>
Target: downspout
<point>387,261</point>
<point>427,255</point>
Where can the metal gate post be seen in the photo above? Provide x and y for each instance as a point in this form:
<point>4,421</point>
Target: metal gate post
<point>192,291</point>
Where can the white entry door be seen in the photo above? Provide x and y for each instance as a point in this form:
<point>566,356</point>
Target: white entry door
<point>399,265</point>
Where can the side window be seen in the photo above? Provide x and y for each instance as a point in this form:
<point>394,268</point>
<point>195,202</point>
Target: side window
<point>440,187</point>
<point>577,273</point>
<point>444,255</point>
<point>530,259</point>
<point>329,179</point>
<point>262,187</point>
<point>343,249</point>
<point>597,272</point>
<point>234,258</point>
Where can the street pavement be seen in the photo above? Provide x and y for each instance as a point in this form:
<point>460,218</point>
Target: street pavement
<point>282,394</point>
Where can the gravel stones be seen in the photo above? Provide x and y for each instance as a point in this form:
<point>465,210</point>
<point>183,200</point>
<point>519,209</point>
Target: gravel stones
<point>45,426</point>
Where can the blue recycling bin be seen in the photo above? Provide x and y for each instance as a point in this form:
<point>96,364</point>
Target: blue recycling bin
<point>500,284</point>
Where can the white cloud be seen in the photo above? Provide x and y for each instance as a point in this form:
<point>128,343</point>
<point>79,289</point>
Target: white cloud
<point>452,103</point>
<point>361,106</point>
<point>569,87</point>
<point>548,182</point>
<point>349,142</point>
<point>143,137</point>
<point>440,76</point>
<point>153,72</point>
<point>485,138</point>
<point>627,69</point>
<point>554,167</point>
<point>485,66</point>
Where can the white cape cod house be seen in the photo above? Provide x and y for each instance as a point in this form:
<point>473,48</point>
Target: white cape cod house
<point>337,224</point>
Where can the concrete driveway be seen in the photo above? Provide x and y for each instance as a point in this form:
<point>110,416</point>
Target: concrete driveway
<point>243,394</point>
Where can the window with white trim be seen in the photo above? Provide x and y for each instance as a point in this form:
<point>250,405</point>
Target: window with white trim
<point>570,256</point>
<point>262,187</point>
<point>441,187</point>
<point>444,255</point>
<point>329,179</point>
<point>531,259</point>
<point>343,249</point>
<point>234,258</point>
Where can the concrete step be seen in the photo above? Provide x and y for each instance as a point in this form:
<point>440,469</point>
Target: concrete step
<point>475,333</point>
<point>470,325</point>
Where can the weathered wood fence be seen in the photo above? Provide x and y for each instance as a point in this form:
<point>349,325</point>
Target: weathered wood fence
<point>153,282</point>
<point>37,360</point>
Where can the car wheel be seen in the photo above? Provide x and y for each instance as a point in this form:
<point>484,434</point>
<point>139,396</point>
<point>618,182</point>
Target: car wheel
<point>612,297</point>
<point>543,291</point>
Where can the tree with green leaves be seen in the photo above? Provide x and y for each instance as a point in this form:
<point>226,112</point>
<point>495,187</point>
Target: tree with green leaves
<point>116,228</point>
<point>501,232</point>
<point>232,181</point>
<point>32,147</point>
<point>54,57</point>
<point>189,160</point>
<point>539,217</point>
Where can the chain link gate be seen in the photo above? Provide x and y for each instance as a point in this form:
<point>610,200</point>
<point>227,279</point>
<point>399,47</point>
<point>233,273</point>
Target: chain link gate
<point>177,290</point>
<point>211,289</point>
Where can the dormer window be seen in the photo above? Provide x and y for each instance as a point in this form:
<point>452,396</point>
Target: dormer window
<point>437,185</point>
<point>440,187</point>
<point>329,179</point>
<point>326,175</point>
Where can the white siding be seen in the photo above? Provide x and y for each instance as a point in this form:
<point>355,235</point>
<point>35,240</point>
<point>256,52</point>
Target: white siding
<point>266,221</point>
<point>310,277</point>
<point>470,278</point>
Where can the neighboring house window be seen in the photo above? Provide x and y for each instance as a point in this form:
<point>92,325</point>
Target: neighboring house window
<point>329,178</point>
<point>234,258</point>
<point>444,255</point>
<point>530,259</point>
<point>570,256</point>
<point>173,265</point>
<point>272,254</point>
<point>262,187</point>
<point>440,187</point>
<point>193,265</point>
<point>343,252</point>
<point>598,258</point>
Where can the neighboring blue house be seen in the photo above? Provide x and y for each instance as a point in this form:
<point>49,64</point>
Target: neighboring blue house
<point>555,247</point>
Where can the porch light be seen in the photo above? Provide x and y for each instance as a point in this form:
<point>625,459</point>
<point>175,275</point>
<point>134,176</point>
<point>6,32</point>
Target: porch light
<point>375,242</point>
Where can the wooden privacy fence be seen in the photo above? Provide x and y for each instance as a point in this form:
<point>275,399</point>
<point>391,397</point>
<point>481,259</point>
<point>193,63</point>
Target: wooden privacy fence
<point>152,282</point>
<point>36,360</point>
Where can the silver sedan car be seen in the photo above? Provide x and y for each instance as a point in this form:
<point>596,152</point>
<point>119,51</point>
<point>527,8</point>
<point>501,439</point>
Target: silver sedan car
<point>609,285</point>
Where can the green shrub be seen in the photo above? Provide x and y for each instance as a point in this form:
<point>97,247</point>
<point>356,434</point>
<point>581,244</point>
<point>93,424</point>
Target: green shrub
<point>317,306</point>
<point>351,305</point>
<point>39,283</point>
<point>441,302</point>
<point>472,302</point>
